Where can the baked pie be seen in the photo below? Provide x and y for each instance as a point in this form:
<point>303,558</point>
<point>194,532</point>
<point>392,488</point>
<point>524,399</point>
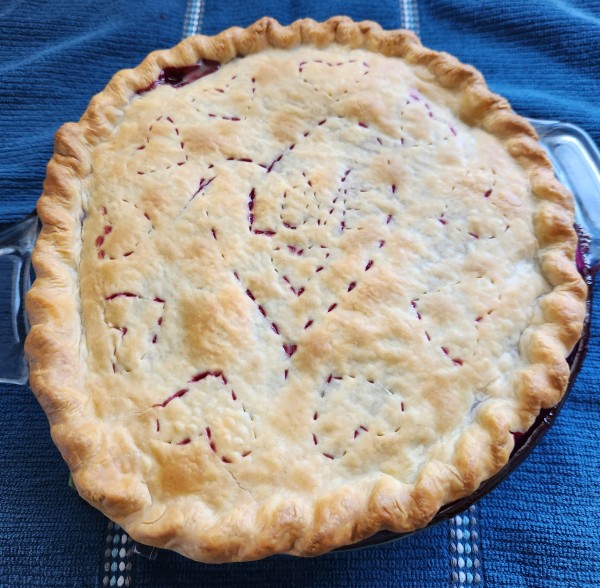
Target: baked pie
<point>296,285</point>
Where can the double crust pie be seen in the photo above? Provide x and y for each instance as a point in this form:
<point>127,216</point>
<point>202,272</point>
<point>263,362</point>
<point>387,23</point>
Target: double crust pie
<point>296,285</point>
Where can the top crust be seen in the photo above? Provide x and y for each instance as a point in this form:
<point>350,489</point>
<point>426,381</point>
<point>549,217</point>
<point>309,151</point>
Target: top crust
<point>191,489</point>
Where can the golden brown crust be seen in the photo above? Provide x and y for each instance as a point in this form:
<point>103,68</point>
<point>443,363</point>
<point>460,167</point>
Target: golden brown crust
<point>56,346</point>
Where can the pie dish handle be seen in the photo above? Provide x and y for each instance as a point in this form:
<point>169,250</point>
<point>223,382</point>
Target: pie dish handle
<point>576,160</point>
<point>16,244</point>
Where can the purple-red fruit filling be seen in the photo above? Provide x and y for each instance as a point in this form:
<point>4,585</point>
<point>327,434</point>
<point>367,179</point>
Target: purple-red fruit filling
<point>182,76</point>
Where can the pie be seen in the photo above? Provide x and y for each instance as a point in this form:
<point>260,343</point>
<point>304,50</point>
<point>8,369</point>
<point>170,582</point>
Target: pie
<point>296,285</point>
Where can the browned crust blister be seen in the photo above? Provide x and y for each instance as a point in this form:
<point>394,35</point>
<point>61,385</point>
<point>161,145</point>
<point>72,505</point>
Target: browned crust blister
<point>56,346</point>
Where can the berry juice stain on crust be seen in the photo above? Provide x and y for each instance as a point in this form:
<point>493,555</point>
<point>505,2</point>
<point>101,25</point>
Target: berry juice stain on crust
<point>178,77</point>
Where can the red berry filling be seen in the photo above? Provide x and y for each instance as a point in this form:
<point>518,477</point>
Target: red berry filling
<point>182,76</point>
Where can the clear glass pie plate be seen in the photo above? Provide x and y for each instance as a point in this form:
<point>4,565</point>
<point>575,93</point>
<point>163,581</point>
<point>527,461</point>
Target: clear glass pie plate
<point>577,164</point>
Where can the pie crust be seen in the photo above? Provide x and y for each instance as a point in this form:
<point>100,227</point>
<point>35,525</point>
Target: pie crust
<point>303,298</point>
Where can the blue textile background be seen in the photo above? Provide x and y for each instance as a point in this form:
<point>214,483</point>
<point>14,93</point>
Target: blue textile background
<point>540,528</point>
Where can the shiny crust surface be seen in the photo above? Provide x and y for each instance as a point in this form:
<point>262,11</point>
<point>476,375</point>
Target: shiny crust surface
<point>302,299</point>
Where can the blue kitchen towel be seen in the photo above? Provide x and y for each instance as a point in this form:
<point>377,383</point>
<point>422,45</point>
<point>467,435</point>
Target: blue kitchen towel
<point>540,528</point>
